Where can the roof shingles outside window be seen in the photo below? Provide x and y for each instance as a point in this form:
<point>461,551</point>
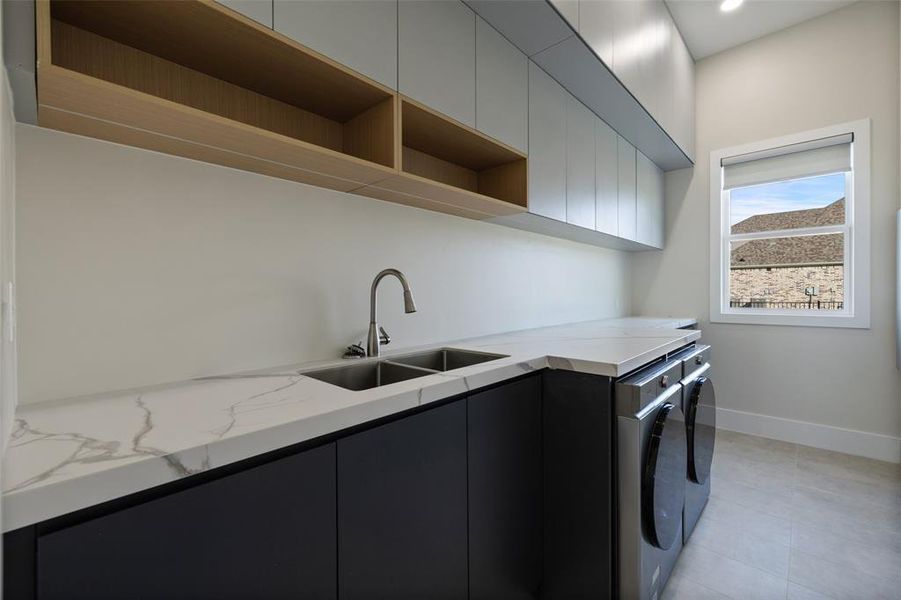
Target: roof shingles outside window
<point>825,249</point>
<point>832,214</point>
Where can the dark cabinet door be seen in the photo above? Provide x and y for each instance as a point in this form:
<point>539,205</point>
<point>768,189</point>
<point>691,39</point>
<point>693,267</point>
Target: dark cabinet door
<point>268,532</point>
<point>504,439</point>
<point>579,491</point>
<point>402,508</point>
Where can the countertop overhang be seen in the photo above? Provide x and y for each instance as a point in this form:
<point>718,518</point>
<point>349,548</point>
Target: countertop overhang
<point>68,455</point>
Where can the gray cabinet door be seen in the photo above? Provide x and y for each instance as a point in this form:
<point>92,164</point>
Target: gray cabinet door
<point>580,159</point>
<point>626,207</point>
<point>597,27</point>
<point>606,178</point>
<point>570,11</point>
<point>547,145</point>
<point>436,56</point>
<point>361,34</point>
<point>502,88</point>
<point>258,10</point>
<point>645,174</point>
<point>683,97</point>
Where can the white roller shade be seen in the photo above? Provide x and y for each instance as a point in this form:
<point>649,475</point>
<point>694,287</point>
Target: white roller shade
<point>808,159</point>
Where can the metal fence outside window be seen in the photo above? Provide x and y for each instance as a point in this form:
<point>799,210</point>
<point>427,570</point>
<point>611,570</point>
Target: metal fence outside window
<point>809,305</point>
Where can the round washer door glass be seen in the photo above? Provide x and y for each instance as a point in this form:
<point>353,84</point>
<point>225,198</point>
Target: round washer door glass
<point>663,481</point>
<point>701,429</point>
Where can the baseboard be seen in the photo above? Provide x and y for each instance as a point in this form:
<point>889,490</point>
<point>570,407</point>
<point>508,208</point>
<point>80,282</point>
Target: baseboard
<point>839,439</point>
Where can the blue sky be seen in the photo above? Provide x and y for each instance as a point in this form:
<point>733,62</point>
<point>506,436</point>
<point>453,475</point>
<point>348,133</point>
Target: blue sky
<point>798,194</point>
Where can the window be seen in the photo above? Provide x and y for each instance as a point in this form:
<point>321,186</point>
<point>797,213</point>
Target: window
<point>789,230</point>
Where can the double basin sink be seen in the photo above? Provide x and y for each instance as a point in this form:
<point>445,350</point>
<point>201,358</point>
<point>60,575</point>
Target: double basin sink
<point>368,375</point>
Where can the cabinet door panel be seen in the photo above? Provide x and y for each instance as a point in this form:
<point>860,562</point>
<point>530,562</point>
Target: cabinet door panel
<point>268,532</point>
<point>504,441</point>
<point>570,11</point>
<point>547,145</point>
<point>645,203</point>
<point>606,178</point>
<point>402,508</point>
<point>626,199</point>
<point>258,10</point>
<point>361,34</point>
<point>580,209</point>
<point>597,28</point>
<point>683,98</point>
<point>502,88</point>
<point>436,56</point>
<point>579,498</point>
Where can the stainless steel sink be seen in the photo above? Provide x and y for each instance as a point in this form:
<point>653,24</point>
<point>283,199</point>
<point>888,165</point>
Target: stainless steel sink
<point>446,359</point>
<point>367,376</point>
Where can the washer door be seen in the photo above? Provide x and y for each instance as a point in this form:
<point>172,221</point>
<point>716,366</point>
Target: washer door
<point>663,481</point>
<point>700,421</point>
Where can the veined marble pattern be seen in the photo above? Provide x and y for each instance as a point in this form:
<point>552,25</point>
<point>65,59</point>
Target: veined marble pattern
<point>70,454</point>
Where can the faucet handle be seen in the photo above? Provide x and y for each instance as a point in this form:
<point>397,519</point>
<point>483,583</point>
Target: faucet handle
<point>354,351</point>
<point>384,338</point>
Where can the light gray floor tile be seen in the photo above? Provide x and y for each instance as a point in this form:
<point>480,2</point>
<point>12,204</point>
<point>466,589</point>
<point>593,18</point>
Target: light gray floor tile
<point>799,592</point>
<point>855,468</point>
<point>839,580</point>
<point>750,521</point>
<point>879,560</point>
<point>787,521</point>
<point>729,576</point>
<point>776,501</point>
<point>879,490</point>
<point>681,588</point>
<point>862,521</point>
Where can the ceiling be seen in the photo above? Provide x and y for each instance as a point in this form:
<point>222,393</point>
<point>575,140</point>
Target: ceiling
<point>707,30</point>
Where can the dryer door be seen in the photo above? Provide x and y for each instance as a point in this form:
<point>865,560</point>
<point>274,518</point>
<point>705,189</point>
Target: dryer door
<point>663,481</point>
<point>700,421</point>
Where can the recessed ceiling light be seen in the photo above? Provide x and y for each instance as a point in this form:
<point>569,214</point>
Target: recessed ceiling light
<point>730,5</point>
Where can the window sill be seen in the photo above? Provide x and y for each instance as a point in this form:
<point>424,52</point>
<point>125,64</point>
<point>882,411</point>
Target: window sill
<point>767,317</point>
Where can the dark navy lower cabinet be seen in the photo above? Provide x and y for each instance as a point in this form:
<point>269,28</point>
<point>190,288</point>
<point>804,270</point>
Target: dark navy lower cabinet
<point>579,486</point>
<point>504,427</point>
<point>402,508</point>
<point>506,494</point>
<point>267,532</point>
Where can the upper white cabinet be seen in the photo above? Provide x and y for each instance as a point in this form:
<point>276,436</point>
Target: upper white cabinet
<point>606,179</point>
<point>437,56</point>
<point>361,34</point>
<point>649,202</point>
<point>258,10</point>
<point>570,11</point>
<point>597,28</point>
<point>626,190</point>
<point>683,126</point>
<point>547,145</point>
<point>502,88</point>
<point>580,163</point>
<point>638,40</point>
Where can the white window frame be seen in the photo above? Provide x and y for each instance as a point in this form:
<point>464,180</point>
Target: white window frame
<point>856,311</point>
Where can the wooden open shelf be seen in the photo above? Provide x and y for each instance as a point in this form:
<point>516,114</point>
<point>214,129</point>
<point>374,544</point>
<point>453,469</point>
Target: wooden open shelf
<point>195,79</point>
<point>449,167</point>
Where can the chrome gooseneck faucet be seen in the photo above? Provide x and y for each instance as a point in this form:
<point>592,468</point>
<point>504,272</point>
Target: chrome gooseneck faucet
<point>378,335</point>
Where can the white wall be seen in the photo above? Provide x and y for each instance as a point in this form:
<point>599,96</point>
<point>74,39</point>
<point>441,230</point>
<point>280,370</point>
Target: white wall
<point>837,68</point>
<point>137,268</point>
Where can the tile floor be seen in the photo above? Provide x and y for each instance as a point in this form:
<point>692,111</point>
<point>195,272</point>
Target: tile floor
<point>796,523</point>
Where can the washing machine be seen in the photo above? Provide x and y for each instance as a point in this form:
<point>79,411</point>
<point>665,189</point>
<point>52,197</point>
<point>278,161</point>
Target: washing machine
<point>651,458</point>
<point>699,408</point>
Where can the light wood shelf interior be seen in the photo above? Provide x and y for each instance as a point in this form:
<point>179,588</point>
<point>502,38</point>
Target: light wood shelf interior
<point>437,148</point>
<point>187,56</point>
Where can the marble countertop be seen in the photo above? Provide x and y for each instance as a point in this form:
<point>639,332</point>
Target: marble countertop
<point>70,454</point>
